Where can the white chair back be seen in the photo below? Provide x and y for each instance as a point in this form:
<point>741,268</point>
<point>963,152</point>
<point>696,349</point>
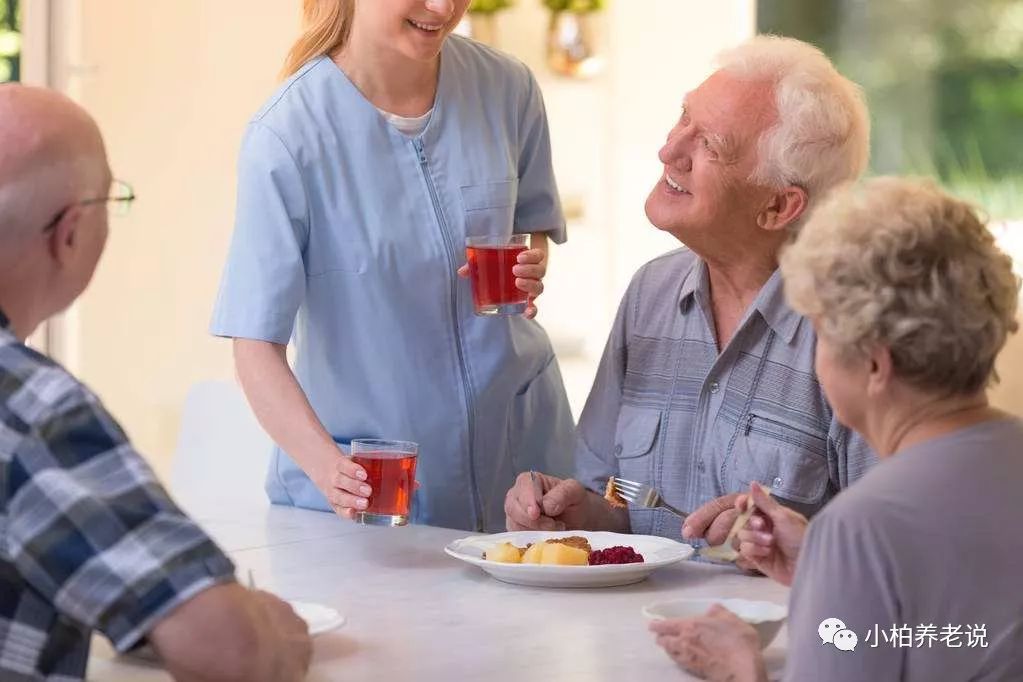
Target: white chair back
<point>222,452</point>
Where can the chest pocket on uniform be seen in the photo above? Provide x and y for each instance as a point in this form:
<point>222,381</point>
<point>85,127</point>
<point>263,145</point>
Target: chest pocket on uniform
<point>635,435</point>
<point>791,460</point>
<point>341,257</point>
<point>490,207</point>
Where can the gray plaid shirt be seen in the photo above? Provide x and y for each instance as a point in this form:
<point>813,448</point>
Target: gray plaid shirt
<point>667,409</point>
<point>88,538</point>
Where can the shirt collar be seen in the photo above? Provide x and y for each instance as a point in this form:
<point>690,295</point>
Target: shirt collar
<point>770,301</point>
<point>5,324</point>
<point>695,283</point>
<point>775,310</point>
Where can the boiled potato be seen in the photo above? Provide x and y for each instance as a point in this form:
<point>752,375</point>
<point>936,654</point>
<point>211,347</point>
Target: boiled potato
<point>563,555</point>
<point>506,553</point>
<point>533,553</point>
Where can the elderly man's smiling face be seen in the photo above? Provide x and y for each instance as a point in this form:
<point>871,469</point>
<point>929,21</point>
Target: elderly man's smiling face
<point>705,196</point>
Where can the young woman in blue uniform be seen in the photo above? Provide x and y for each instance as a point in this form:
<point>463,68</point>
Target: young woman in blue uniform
<point>358,182</point>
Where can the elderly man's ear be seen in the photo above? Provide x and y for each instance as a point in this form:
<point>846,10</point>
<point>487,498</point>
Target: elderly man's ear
<point>783,209</point>
<point>66,237</point>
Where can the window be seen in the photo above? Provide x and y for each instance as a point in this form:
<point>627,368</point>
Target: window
<point>944,81</point>
<point>10,40</point>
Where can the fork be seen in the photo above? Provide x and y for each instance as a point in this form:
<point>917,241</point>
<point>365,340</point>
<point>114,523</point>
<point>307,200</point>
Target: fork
<point>642,495</point>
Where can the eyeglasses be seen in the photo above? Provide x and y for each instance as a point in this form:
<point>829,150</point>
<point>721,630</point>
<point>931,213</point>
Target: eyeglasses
<point>121,196</point>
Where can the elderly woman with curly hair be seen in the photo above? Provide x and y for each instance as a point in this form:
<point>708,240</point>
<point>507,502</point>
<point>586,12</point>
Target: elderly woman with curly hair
<point>914,572</point>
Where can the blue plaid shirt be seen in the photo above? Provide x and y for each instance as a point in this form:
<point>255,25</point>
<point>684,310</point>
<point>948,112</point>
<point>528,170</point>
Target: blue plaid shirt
<point>89,540</point>
<point>669,409</point>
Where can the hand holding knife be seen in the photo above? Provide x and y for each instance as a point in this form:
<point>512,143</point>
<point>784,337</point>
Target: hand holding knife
<point>537,490</point>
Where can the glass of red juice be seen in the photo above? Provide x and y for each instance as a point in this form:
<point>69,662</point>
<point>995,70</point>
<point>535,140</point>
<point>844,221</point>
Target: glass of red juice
<point>491,259</point>
<point>391,472</point>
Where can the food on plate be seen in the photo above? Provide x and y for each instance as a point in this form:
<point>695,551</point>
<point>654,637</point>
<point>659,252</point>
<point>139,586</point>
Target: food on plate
<point>506,553</point>
<point>564,555</point>
<point>612,496</point>
<point>573,550</point>
<point>726,552</point>
<point>552,551</point>
<point>619,554</point>
<point>533,553</point>
<point>577,541</point>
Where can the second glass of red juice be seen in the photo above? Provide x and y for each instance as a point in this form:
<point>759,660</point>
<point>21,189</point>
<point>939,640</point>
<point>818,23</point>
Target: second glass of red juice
<point>491,259</point>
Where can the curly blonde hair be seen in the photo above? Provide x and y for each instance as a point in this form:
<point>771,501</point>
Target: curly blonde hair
<point>901,264</point>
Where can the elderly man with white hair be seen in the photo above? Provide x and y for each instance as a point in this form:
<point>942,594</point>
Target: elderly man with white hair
<point>707,381</point>
<point>88,538</point>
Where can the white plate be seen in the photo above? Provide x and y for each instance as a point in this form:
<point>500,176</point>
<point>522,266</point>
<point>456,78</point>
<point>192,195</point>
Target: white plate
<point>320,618</point>
<point>657,552</point>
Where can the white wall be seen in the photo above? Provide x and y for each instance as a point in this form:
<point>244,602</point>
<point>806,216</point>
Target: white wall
<point>172,84</point>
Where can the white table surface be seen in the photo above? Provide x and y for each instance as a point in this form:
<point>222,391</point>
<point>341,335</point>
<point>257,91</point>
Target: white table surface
<point>415,613</point>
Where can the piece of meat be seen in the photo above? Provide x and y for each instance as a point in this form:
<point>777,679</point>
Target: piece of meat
<point>612,497</point>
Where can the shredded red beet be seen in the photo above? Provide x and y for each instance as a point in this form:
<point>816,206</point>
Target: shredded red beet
<point>615,555</point>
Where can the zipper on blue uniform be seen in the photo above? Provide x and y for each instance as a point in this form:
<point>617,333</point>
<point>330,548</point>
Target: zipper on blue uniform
<point>417,143</point>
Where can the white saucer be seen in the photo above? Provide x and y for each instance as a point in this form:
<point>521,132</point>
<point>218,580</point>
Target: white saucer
<point>318,617</point>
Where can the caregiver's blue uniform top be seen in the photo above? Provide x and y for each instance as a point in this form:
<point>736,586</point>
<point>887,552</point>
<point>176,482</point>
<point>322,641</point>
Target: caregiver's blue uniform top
<point>347,238</point>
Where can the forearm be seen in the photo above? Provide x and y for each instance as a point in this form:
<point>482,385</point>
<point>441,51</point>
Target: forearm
<point>220,635</point>
<point>282,408</point>
<point>757,671</point>
<point>602,516</point>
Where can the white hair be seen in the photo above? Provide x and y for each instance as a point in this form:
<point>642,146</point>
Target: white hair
<point>822,137</point>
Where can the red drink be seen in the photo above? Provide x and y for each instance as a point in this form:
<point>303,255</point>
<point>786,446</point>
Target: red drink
<point>493,284</point>
<point>392,476</point>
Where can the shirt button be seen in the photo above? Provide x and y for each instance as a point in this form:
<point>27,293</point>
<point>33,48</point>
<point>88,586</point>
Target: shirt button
<point>701,466</point>
<point>618,449</point>
<point>776,483</point>
<point>714,386</point>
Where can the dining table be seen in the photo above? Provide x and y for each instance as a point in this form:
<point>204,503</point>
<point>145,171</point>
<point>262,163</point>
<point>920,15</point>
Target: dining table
<point>412,612</point>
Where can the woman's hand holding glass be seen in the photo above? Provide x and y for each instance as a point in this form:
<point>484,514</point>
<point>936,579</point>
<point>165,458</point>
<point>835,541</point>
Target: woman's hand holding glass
<point>345,488</point>
<point>529,271</point>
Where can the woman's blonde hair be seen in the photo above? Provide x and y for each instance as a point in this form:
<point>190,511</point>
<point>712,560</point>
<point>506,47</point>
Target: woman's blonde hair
<point>325,27</point>
<point>901,264</point>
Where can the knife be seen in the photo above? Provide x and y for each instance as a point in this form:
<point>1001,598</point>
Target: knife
<point>537,490</point>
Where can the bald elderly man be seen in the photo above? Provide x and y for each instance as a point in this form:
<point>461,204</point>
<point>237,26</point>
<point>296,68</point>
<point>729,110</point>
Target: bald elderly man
<point>90,541</point>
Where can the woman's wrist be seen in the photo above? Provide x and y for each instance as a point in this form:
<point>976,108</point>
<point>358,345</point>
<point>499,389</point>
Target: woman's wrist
<point>750,667</point>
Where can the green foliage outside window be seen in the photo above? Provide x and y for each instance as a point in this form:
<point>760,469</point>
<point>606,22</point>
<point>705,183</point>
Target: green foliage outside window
<point>579,6</point>
<point>10,41</point>
<point>944,81</point>
<point>489,6</point>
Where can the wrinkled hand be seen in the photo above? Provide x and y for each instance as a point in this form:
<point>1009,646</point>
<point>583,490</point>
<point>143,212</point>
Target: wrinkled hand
<point>718,646</point>
<point>563,504</point>
<point>294,647</point>
<point>712,521</point>
<point>773,537</point>
<point>529,273</point>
